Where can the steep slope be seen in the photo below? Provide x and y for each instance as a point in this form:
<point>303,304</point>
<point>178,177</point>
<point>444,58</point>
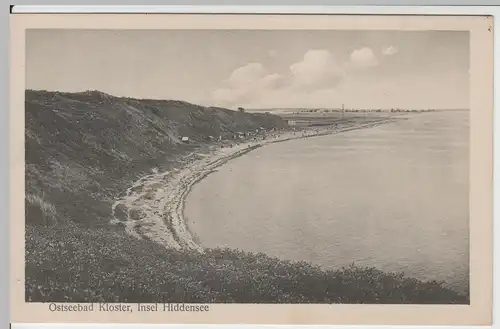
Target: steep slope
<point>84,148</point>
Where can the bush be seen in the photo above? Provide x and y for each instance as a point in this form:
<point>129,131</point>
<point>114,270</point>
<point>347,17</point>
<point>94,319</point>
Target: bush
<point>71,263</point>
<point>38,211</point>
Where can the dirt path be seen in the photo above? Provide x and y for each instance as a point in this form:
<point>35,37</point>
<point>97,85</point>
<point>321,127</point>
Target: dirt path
<point>153,206</point>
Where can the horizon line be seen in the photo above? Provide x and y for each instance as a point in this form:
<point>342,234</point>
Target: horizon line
<point>249,109</point>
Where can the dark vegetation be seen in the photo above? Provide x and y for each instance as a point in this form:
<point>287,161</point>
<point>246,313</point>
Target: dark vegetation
<point>83,149</point>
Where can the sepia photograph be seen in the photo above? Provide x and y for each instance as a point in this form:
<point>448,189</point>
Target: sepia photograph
<point>169,169</point>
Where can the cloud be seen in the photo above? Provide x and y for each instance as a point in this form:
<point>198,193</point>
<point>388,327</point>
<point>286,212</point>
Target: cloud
<point>248,74</point>
<point>271,81</point>
<point>363,58</point>
<point>318,68</point>
<point>225,96</point>
<point>389,51</point>
<point>316,77</point>
<point>319,79</point>
<point>245,83</point>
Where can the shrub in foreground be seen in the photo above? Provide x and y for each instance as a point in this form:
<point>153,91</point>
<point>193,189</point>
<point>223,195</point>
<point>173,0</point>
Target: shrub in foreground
<point>70,263</point>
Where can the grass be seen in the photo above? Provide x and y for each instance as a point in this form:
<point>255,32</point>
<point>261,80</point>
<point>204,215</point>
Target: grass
<point>85,149</point>
<point>149,195</point>
<point>75,264</point>
<point>41,211</point>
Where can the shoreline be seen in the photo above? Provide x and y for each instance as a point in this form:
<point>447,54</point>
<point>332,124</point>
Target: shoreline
<point>153,207</point>
<point>132,168</point>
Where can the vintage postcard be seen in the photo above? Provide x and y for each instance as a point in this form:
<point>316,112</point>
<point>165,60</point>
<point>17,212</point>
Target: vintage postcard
<point>257,169</point>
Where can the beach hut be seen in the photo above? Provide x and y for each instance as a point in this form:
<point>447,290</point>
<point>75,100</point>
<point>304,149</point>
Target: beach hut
<point>185,139</point>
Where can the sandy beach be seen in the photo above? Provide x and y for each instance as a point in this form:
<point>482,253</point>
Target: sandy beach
<point>153,206</point>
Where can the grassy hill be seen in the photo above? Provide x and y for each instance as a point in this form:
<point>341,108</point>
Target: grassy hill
<point>84,149</point>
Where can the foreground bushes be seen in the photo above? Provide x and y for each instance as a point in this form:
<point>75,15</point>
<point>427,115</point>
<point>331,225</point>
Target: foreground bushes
<point>69,263</point>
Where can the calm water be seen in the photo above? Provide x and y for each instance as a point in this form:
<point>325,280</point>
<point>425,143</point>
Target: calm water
<point>394,197</point>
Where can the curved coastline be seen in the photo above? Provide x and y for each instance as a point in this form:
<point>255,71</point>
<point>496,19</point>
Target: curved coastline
<point>153,207</point>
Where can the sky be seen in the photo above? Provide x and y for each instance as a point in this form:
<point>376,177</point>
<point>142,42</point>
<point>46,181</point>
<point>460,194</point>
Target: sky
<point>257,68</point>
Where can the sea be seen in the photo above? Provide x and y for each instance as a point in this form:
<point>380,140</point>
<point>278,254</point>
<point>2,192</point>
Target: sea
<point>394,197</point>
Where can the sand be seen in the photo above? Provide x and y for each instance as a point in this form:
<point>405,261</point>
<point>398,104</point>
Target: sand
<point>153,206</point>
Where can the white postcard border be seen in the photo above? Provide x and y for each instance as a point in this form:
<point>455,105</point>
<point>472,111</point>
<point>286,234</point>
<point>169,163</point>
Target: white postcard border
<point>358,10</point>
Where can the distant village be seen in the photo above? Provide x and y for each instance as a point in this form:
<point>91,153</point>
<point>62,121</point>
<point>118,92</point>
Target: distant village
<point>362,110</point>
<point>293,122</point>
